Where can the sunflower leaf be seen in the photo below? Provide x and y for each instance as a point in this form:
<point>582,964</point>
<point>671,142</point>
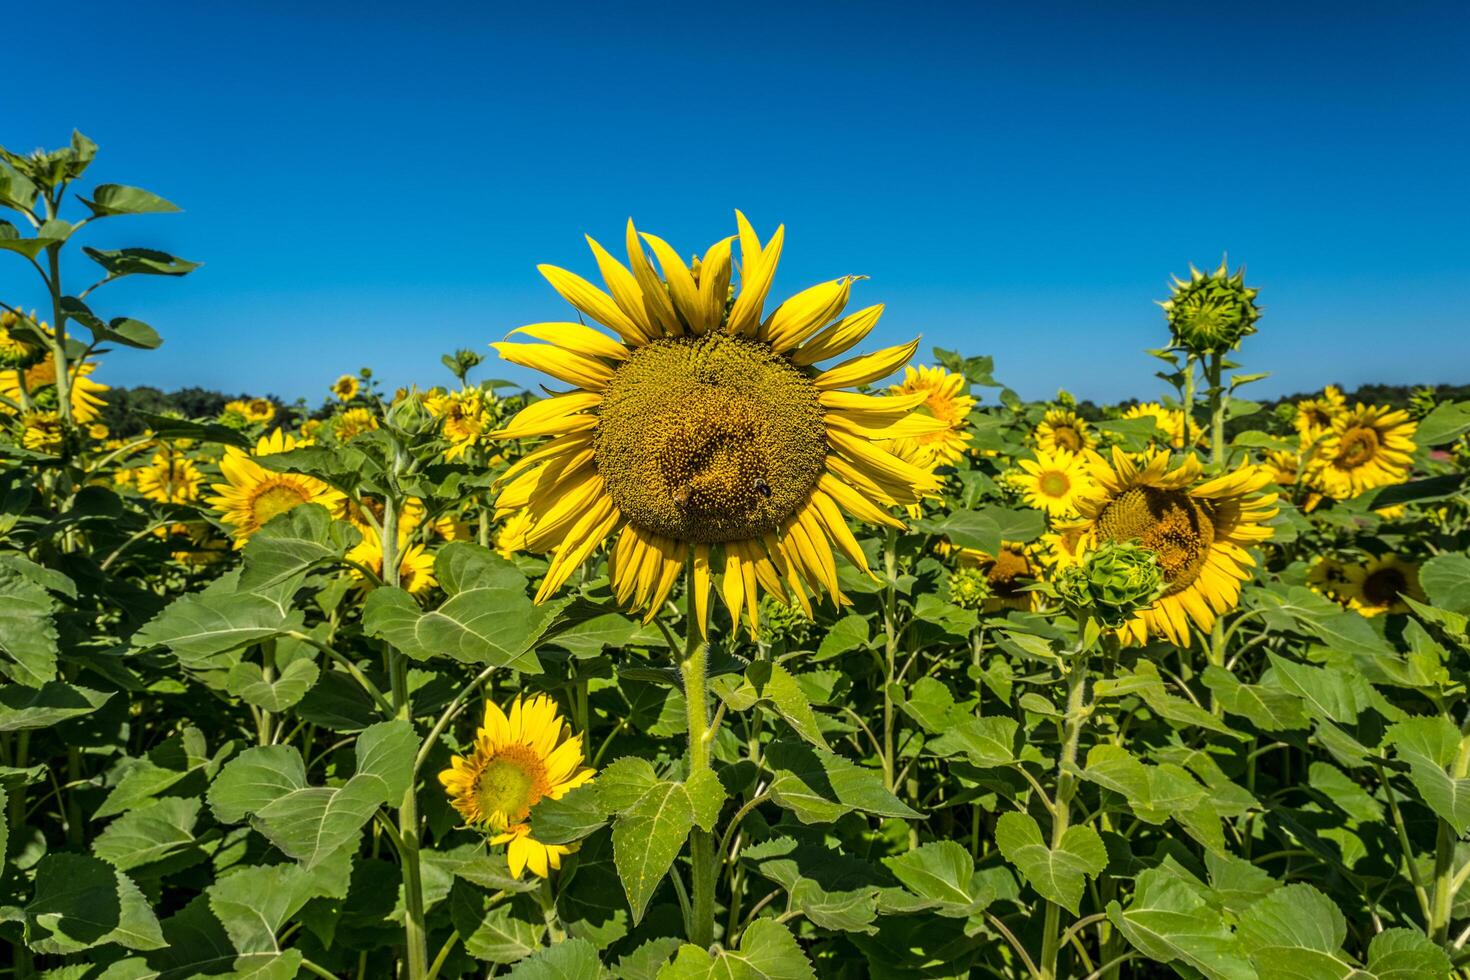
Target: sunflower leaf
<point>767,951</point>
<point>1059,874</point>
<point>647,838</point>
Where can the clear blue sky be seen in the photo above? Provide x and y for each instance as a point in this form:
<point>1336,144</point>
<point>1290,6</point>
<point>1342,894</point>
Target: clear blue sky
<point>374,184</point>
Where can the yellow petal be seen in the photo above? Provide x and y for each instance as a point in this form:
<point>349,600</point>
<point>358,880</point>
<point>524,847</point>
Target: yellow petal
<point>682,289</point>
<point>591,301</point>
<point>579,543</point>
<point>552,416</point>
<point>656,302</point>
<point>576,338</point>
<point>574,369</point>
<point>755,283</point>
<point>841,336</point>
<point>867,367</point>
<point>714,286</point>
<point>701,587</point>
<point>624,288</point>
<point>805,313</point>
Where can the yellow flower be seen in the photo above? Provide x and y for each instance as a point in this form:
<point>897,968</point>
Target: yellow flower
<point>946,400</point>
<point>346,387</point>
<point>1169,422</point>
<point>510,537</point>
<point>1367,446</point>
<point>309,429</point>
<point>1063,429</point>
<point>1314,415</point>
<point>353,422</point>
<point>1283,467</point>
<point>1379,586</point>
<point>1053,481</point>
<point>1061,548</point>
<point>519,758</point>
<point>415,565</point>
<point>15,348</point>
<point>170,479</point>
<point>42,433</point>
<point>410,515</point>
<point>466,419</point>
<point>85,403</point>
<point>704,432</point>
<point>253,494</point>
<point>97,432</point>
<point>1329,577</point>
<point>452,527</point>
<point>1199,530</point>
<point>1006,574</point>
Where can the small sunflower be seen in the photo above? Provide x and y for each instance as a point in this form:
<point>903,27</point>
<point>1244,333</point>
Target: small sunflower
<point>252,494</point>
<point>1199,530</point>
<point>346,387</point>
<point>1366,446</point>
<point>1283,466</point>
<point>42,432</point>
<point>353,422</point>
<point>510,537</point>
<point>1380,586</point>
<point>170,478</point>
<point>1329,577</point>
<point>466,419</point>
<point>1053,482</point>
<point>86,404</point>
<point>415,564</point>
<point>1169,422</point>
<point>946,399</point>
<point>1062,547</point>
<point>520,757</point>
<point>1065,430</point>
<point>1314,415</point>
<point>704,433</point>
<point>1006,575</point>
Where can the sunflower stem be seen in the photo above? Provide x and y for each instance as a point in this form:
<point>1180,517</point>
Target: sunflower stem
<point>1077,712</point>
<point>890,632</point>
<point>701,844</point>
<point>1219,408</point>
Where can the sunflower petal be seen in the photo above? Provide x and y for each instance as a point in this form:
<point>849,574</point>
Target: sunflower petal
<point>840,337</point>
<point>576,338</point>
<point>574,369</point>
<point>755,283</point>
<point>592,301</point>
<point>867,367</point>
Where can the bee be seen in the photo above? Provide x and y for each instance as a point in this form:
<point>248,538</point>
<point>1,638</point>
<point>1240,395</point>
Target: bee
<point>762,487</point>
<point>681,496</point>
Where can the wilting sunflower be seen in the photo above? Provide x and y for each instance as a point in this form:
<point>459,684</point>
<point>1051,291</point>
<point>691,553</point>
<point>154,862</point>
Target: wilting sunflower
<point>1006,575</point>
<point>253,494</point>
<point>946,399</point>
<point>346,387</point>
<point>466,419</point>
<point>415,564</point>
<point>1053,481</point>
<point>1065,430</point>
<point>1380,586</point>
<point>1169,422</point>
<point>1314,415</point>
<point>1199,530</point>
<point>170,478</point>
<point>519,759</point>
<point>705,434</point>
<point>85,403</point>
<point>1367,446</point>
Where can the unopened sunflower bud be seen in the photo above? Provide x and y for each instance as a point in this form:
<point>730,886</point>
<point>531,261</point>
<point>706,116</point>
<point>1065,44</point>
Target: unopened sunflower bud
<point>1211,313</point>
<point>782,622</point>
<point>969,588</point>
<point>408,415</point>
<point>1113,582</point>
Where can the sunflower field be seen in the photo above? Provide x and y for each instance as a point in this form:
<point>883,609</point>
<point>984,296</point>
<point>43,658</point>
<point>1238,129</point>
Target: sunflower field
<point>722,653</point>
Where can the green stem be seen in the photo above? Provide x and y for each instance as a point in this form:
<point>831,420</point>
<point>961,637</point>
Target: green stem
<point>1077,712</point>
<point>1187,401</point>
<point>890,645</point>
<point>701,843</point>
<point>1219,408</point>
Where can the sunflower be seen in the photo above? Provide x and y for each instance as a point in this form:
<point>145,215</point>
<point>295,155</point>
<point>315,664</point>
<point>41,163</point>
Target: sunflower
<point>519,758</point>
<point>1053,481</point>
<point>510,537</point>
<point>170,479</point>
<point>352,423</point>
<point>357,513</point>
<point>452,527</point>
<point>1380,586</point>
<point>85,403</point>
<point>253,494</point>
<point>1314,415</point>
<point>1200,531</point>
<point>947,400</point>
<point>704,434</point>
<point>1367,446</point>
<point>465,419</point>
<point>1063,429</point>
<point>42,432</point>
<point>17,347</point>
<point>346,387</point>
<point>1006,574</point>
<point>1329,577</point>
<point>1169,422</point>
<point>1283,466</point>
<point>415,564</point>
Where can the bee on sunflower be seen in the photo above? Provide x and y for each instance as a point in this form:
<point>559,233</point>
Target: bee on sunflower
<point>703,435</point>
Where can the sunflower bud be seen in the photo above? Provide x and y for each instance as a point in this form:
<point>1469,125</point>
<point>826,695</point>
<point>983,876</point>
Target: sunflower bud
<point>409,415</point>
<point>1211,313</point>
<point>969,588</point>
<point>1113,582</point>
<point>782,622</point>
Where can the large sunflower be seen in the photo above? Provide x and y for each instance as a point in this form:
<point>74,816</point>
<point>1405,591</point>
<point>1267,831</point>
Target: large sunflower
<point>705,434</point>
<point>1366,446</point>
<point>1380,586</point>
<point>253,494</point>
<point>1053,481</point>
<point>1065,430</point>
<point>518,760</point>
<point>1199,530</point>
<point>947,400</point>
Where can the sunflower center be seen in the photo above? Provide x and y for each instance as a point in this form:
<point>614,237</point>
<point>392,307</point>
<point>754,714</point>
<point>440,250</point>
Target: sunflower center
<point>1068,438</point>
<point>275,499</point>
<point>1357,447</point>
<point>709,439</point>
<point>1008,574</point>
<point>1054,483</point>
<point>1170,523</point>
<point>510,784</point>
<point>1384,586</point>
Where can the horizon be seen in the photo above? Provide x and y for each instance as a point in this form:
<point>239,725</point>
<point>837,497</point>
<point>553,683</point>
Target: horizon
<point>376,193</point>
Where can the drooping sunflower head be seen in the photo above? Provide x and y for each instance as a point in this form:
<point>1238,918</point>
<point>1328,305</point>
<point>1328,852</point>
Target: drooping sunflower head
<point>346,387</point>
<point>703,432</point>
<point>1380,585</point>
<point>1063,429</point>
<point>252,494</point>
<point>20,343</point>
<point>1211,312</point>
<point>1054,481</point>
<point>1199,531</point>
<point>520,757</point>
<point>1367,446</point>
<point>947,400</point>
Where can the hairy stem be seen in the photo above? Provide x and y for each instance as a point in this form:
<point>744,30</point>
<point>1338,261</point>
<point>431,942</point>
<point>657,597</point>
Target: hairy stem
<point>701,843</point>
<point>1077,712</point>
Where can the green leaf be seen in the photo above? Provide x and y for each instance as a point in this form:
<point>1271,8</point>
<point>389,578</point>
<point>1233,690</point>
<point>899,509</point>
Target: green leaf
<point>767,952</point>
<point>831,889</point>
<point>1431,746</point>
<point>167,428</point>
<point>1327,692</point>
<point>200,627</point>
<point>929,703</point>
<point>570,959</point>
<point>503,933</point>
<point>648,837</point>
<point>1057,875</point>
<point>707,796</point>
<point>145,261</point>
<point>589,637</point>
<point>253,903</point>
<point>110,199</point>
<point>848,633</point>
<point>292,543</point>
<point>622,784</point>
<point>1169,920</point>
<point>23,708</point>
<point>771,684</point>
<point>1295,931</point>
<point>122,330</point>
<point>31,248</point>
<point>80,902</point>
<point>1406,954</point>
<point>571,818</point>
<point>943,873</point>
<point>819,786</point>
<point>27,633</point>
<point>985,742</point>
<point>1267,706</point>
<point>148,834</point>
<point>1446,578</point>
<point>248,683</point>
<point>986,529</point>
<point>1446,423</point>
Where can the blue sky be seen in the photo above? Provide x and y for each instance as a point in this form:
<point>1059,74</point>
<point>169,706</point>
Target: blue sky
<point>375,184</point>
